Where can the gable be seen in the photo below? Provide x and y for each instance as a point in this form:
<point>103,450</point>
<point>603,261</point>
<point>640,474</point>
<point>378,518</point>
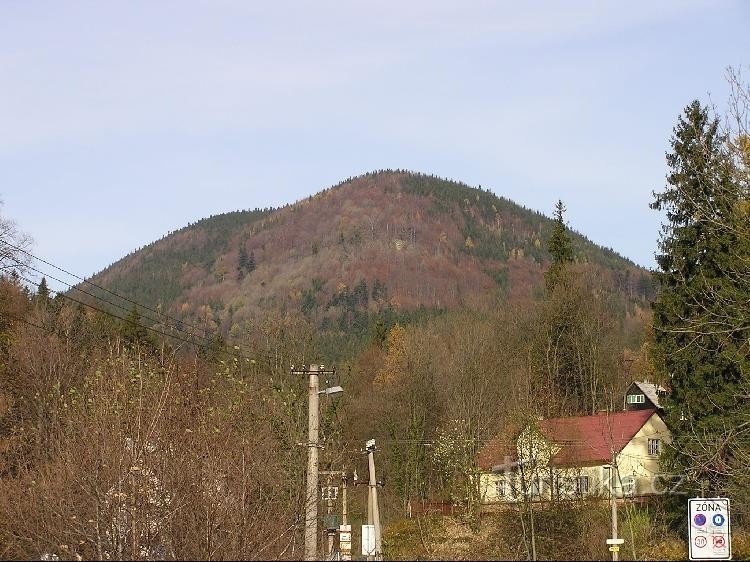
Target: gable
<point>592,439</point>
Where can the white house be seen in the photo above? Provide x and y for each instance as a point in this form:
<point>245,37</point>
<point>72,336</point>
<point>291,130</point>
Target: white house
<point>573,457</point>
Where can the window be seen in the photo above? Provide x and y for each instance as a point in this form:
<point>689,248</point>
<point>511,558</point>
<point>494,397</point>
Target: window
<point>636,399</point>
<point>501,488</point>
<point>582,485</point>
<point>628,486</point>
<point>654,447</point>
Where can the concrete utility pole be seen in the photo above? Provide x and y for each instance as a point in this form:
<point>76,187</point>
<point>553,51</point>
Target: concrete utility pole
<point>613,497</point>
<point>373,511</point>
<point>313,424</point>
<point>311,497</point>
<point>344,478</point>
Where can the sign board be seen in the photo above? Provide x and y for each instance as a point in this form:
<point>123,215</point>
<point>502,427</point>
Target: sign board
<point>710,535</point>
<point>345,542</point>
<point>615,541</point>
<point>368,540</point>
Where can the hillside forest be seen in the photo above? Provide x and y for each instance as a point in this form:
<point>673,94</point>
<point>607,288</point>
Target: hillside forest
<point>150,412</point>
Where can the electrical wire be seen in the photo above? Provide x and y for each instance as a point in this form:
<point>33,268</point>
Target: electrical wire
<point>74,288</point>
<point>68,297</point>
<point>84,280</point>
<point>127,299</point>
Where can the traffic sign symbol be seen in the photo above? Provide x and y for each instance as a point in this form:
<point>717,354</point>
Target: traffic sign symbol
<point>710,529</point>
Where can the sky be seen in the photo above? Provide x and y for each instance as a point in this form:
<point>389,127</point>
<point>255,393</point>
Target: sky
<point>123,120</point>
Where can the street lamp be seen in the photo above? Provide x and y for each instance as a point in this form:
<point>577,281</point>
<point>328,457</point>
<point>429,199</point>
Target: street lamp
<point>332,391</point>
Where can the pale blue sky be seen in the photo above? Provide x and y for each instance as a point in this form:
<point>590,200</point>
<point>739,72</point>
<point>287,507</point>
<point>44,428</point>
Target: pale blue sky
<point>122,120</point>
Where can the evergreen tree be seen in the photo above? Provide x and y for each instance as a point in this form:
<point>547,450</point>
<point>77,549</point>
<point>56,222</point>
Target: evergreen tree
<point>42,292</point>
<point>559,246</point>
<point>242,260</point>
<point>251,262</point>
<point>132,329</point>
<point>707,366</point>
<point>361,294</point>
<point>379,291</point>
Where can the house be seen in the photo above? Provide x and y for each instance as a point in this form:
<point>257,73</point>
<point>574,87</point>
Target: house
<point>644,396</point>
<point>562,458</point>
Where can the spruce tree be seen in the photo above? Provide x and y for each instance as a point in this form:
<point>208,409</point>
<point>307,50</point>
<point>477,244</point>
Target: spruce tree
<point>706,364</point>
<point>132,329</point>
<point>42,292</point>
<point>560,248</point>
<point>242,259</point>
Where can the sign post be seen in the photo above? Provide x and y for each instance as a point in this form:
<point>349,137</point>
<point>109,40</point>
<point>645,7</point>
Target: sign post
<point>710,530</point>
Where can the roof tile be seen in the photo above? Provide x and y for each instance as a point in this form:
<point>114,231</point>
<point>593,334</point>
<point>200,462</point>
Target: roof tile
<point>590,439</point>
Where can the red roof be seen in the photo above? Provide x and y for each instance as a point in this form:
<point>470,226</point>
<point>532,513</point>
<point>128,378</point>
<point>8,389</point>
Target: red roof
<point>590,439</point>
<point>499,451</point>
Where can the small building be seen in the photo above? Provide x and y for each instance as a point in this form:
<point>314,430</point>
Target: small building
<point>563,458</point>
<point>644,396</point>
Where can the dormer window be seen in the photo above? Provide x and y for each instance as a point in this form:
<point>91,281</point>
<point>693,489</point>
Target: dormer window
<point>636,398</point>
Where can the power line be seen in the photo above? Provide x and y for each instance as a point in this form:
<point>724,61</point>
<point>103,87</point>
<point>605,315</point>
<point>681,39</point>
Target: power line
<point>235,354</point>
<point>46,274</point>
<point>184,332</point>
<point>95,285</point>
<point>63,295</point>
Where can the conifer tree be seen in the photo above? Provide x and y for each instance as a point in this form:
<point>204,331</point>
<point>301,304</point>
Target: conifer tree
<point>132,328</point>
<point>251,262</point>
<point>706,365</point>
<point>242,259</point>
<point>559,246</point>
<point>42,292</point>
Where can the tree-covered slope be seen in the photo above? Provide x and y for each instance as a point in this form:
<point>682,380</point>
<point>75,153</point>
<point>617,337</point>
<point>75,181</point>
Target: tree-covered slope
<point>392,240</point>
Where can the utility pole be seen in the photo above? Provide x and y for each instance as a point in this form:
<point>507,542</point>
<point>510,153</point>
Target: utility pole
<point>329,512</point>
<point>613,498</point>
<point>311,497</point>
<point>311,501</point>
<point>344,478</point>
<point>345,531</point>
<point>373,511</point>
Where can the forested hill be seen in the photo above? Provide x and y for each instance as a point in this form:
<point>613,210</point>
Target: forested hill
<point>387,240</point>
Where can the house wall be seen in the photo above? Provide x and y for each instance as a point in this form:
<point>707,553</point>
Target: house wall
<point>634,460</point>
<point>557,483</point>
<point>636,468</point>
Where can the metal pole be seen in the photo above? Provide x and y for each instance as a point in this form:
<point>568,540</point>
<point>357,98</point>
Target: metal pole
<point>311,503</point>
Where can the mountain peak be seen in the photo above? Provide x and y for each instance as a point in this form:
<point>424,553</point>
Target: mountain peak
<point>387,239</point>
